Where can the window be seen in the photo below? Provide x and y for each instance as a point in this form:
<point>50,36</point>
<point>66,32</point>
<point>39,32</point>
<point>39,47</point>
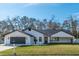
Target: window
<point>40,39</point>
<point>55,39</point>
<point>52,39</point>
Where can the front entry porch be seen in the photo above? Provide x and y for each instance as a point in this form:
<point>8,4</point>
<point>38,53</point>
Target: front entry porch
<point>61,40</point>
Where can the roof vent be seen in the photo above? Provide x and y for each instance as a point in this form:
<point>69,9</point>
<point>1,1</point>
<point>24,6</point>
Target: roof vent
<point>29,29</point>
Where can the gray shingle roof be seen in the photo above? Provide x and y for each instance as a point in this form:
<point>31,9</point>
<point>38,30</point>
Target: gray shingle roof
<point>49,32</point>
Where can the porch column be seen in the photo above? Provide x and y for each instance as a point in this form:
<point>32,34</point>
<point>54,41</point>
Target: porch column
<point>26,40</point>
<point>74,39</point>
<point>37,40</point>
<point>49,39</point>
<point>43,40</point>
<point>5,41</point>
<point>8,40</point>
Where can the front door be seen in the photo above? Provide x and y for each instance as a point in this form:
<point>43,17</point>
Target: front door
<point>45,40</point>
<point>35,40</point>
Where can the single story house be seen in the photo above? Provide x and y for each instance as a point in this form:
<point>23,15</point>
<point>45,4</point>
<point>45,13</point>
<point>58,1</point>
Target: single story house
<point>38,37</point>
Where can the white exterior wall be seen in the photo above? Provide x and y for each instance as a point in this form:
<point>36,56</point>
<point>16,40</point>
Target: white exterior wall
<point>37,35</point>
<point>28,41</point>
<point>6,40</point>
<point>17,34</point>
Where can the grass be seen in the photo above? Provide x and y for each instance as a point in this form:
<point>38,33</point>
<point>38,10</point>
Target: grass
<point>54,49</point>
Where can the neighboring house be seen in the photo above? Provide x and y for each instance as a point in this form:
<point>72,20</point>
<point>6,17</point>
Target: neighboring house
<point>38,37</point>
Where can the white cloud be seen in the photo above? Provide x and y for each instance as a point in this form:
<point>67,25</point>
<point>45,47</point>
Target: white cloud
<point>33,4</point>
<point>76,15</point>
<point>30,4</point>
<point>56,4</point>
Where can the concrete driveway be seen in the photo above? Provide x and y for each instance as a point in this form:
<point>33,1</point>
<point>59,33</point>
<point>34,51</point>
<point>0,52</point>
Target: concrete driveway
<point>2,48</point>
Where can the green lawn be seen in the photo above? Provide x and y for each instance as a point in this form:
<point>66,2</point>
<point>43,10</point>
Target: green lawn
<point>54,49</point>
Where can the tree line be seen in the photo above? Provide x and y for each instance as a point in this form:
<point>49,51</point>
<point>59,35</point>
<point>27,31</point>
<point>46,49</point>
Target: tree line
<point>20,23</point>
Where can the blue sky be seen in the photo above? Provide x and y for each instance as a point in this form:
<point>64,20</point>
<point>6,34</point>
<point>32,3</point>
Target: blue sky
<point>39,11</point>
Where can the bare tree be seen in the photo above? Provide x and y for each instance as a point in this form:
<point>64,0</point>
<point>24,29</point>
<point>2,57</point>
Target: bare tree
<point>73,22</point>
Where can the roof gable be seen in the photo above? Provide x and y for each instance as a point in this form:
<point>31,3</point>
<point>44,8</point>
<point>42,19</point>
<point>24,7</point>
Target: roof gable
<point>40,31</point>
<point>61,34</point>
<point>20,32</point>
<point>34,32</point>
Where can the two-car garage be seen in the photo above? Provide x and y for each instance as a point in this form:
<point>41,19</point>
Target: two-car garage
<point>18,37</point>
<point>17,40</point>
